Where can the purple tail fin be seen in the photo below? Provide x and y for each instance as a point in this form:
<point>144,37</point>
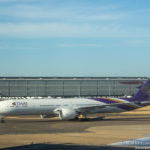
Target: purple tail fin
<point>144,93</point>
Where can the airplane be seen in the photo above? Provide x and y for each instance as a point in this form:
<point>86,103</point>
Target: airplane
<point>72,108</point>
<point>140,143</point>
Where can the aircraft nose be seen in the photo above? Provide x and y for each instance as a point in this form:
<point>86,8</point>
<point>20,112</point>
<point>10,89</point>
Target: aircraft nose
<point>2,107</point>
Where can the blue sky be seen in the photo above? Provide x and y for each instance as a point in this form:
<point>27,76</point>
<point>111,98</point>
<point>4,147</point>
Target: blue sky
<point>74,38</point>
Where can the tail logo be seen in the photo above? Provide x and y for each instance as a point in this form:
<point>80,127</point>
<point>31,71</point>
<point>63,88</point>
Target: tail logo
<point>146,89</point>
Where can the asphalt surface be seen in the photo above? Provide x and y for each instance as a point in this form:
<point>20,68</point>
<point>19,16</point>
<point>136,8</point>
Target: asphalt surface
<point>33,126</point>
<point>65,147</point>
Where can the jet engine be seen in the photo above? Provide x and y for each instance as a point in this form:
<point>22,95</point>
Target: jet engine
<point>67,114</point>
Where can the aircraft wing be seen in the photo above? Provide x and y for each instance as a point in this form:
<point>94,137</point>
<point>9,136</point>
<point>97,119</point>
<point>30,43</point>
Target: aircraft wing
<point>92,108</point>
<point>128,105</point>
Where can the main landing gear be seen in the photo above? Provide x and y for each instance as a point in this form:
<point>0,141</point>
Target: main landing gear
<point>83,117</point>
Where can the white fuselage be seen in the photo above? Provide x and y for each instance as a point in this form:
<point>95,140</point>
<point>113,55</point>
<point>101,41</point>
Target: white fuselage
<point>48,106</point>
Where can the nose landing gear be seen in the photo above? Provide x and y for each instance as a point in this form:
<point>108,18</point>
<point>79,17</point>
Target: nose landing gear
<point>2,119</point>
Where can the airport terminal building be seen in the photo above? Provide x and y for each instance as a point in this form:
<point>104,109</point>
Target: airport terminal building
<point>69,86</point>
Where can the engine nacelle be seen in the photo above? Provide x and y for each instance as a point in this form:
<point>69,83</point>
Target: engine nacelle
<point>67,114</point>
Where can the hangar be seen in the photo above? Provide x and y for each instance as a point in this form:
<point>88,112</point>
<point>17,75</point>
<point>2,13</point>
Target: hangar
<point>69,86</point>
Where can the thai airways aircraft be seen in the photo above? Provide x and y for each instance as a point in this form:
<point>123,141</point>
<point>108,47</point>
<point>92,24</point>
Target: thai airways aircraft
<point>72,108</point>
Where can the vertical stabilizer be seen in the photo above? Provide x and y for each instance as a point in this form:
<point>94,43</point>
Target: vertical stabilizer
<point>144,93</point>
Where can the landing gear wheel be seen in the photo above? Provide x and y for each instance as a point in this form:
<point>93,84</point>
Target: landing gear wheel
<point>84,119</point>
<point>76,118</point>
